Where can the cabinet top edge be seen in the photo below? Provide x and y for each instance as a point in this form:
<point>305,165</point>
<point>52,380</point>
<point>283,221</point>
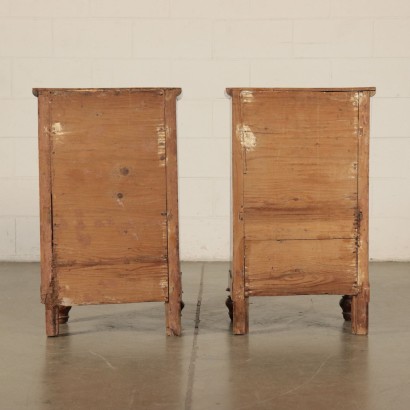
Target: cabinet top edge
<point>344,89</point>
<point>38,91</point>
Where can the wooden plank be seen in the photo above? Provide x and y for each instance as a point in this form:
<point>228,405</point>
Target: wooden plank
<point>56,91</point>
<point>173,305</point>
<point>88,113</point>
<point>46,232</point>
<point>300,267</point>
<point>120,283</point>
<point>273,224</point>
<point>278,177</point>
<point>372,90</point>
<point>90,238</point>
<point>303,114</point>
<point>240,302</point>
<point>360,303</point>
<point>48,287</point>
<point>109,177</point>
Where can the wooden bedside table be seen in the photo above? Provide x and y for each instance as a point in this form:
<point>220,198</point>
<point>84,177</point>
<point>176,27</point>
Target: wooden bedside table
<point>300,197</point>
<point>108,200</point>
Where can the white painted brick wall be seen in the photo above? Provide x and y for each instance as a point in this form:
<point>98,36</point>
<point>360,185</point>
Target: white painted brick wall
<point>333,38</point>
<point>252,39</point>
<point>203,47</point>
<point>87,38</point>
<point>291,73</point>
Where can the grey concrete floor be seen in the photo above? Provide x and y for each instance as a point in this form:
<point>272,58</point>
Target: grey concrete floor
<point>299,353</point>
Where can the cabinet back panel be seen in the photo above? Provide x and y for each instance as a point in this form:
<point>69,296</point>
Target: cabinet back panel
<point>109,195</point>
<point>300,191</point>
<point>108,177</point>
<point>300,165</point>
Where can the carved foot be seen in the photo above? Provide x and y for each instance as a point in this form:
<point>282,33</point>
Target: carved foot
<point>229,305</point>
<point>346,305</point>
<point>182,305</point>
<point>63,314</point>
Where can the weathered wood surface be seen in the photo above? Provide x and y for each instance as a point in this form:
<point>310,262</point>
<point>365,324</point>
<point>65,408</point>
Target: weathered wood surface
<point>46,223</point>
<point>300,267</point>
<point>104,171</point>
<point>371,90</point>
<point>303,191</point>
<point>240,302</point>
<point>174,303</point>
<point>119,283</point>
<point>52,322</point>
<point>109,177</point>
<point>360,303</point>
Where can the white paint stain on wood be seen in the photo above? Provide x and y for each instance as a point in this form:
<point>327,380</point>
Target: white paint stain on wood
<point>58,132</point>
<point>353,171</point>
<point>247,137</point>
<point>57,128</point>
<point>161,133</point>
<point>66,301</point>
<point>247,96</point>
<point>360,97</point>
<point>355,99</point>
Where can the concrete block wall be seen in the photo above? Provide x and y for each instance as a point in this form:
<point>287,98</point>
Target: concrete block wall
<point>203,47</point>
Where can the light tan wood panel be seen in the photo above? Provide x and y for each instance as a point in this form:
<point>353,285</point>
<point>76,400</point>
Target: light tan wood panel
<point>277,176</point>
<point>297,267</point>
<point>89,238</point>
<point>285,112</point>
<point>109,177</point>
<point>117,283</point>
<point>301,169</point>
<point>273,224</point>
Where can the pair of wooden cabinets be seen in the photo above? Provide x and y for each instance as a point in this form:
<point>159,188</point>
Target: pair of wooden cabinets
<point>109,201</point>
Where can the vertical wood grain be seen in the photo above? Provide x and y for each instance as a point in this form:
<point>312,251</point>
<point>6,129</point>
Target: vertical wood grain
<point>52,323</point>
<point>173,305</point>
<point>240,302</point>
<point>46,233</point>
<point>48,291</point>
<point>361,301</point>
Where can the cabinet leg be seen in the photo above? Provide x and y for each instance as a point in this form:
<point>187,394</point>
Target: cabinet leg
<point>63,314</point>
<point>360,313</point>
<point>240,316</point>
<point>173,317</point>
<point>346,305</point>
<point>52,320</point>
